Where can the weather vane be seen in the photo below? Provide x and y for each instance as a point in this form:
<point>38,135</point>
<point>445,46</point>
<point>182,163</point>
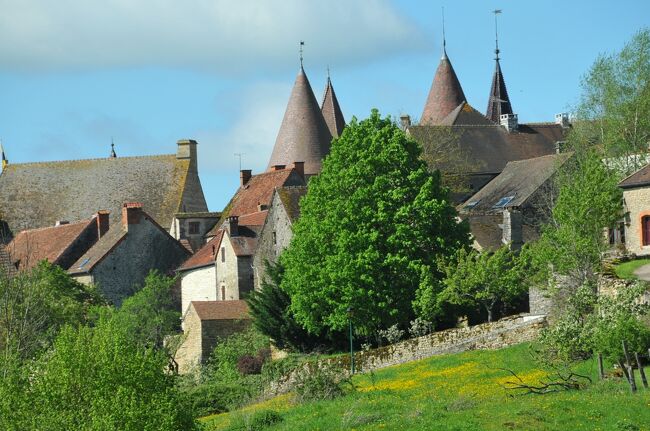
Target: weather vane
<point>302,43</point>
<point>496,32</point>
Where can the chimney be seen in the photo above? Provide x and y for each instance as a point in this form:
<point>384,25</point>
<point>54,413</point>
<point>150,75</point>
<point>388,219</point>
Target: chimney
<point>512,228</point>
<point>299,167</point>
<point>405,121</point>
<point>562,119</point>
<point>102,222</point>
<point>245,176</point>
<point>278,167</point>
<point>131,214</point>
<point>510,122</point>
<point>233,225</point>
<point>61,222</point>
<point>186,150</point>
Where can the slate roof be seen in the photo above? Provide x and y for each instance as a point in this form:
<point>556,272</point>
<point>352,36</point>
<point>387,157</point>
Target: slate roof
<point>332,111</point>
<point>303,135</point>
<point>445,95</point>
<point>221,310</point>
<point>30,247</point>
<point>290,198</point>
<point>639,178</point>
<point>34,195</point>
<point>205,256</point>
<point>498,101</point>
<point>465,115</point>
<point>519,180</point>
<point>111,239</point>
<point>490,147</point>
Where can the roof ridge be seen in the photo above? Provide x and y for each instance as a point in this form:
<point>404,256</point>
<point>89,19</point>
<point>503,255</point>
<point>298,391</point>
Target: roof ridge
<point>111,159</point>
<point>72,223</point>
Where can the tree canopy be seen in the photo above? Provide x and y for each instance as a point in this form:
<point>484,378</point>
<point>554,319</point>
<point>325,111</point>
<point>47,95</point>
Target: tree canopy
<point>372,225</point>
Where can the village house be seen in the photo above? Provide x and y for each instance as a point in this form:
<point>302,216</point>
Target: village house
<point>121,259</point>
<point>276,233</point>
<point>634,231</point>
<point>36,195</point>
<point>191,228</point>
<point>61,244</point>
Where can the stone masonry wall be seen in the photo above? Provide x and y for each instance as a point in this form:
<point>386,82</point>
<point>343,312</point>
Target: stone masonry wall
<point>637,202</point>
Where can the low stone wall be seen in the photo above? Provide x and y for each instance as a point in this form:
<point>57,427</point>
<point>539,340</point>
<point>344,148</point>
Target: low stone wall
<point>506,332</point>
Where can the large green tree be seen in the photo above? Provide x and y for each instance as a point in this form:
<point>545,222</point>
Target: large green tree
<point>371,228</point>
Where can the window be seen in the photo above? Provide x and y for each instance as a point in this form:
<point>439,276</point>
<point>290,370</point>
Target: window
<point>194,227</point>
<point>275,238</point>
<point>645,229</point>
<point>223,293</point>
<point>503,202</point>
<point>223,254</point>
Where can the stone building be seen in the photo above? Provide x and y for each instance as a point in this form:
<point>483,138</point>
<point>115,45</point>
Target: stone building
<point>485,143</point>
<point>635,231</point>
<point>277,232</point>
<point>35,195</point>
<point>205,323</point>
<point>191,228</point>
<point>512,207</point>
<point>122,258</point>
<point>62,244</point>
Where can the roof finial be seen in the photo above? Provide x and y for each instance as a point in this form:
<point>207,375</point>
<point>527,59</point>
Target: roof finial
<point>496,33</point>
<point>328,72</point>
<point>302,43</point>
<point>113,155</point>
<point>444,38</point>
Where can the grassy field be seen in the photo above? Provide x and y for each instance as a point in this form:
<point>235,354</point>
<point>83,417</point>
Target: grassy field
<point>458,392</point>
<point>626,269</point>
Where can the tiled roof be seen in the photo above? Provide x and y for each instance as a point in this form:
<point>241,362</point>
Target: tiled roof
<point>498,101</point>
<point>445,95</point>
<point>30,247</point>
<point>221,310</point>
<point>303,135</point>
<point>102,247</point>
<point>34,195</point>
<point>253,219</point>
<point>637,179</point>
<point>490,147</point>
<point>465,115</point>
<point>290,198</point>
<point>332,111</point>
<point>205,256</point>
<point>519,180</point>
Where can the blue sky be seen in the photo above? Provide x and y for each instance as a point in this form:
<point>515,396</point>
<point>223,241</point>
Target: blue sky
<point>74,73</point>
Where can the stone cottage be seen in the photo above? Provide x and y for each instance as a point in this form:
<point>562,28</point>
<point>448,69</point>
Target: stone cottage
<point>122,258</point>
<point>36,195</point>
<point>205,322</point>
<point>277,232</point>
<point>635,231</point>
<point>62,244</point>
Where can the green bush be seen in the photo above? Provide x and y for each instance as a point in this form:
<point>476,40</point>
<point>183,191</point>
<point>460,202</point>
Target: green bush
<point>217,397</point>
<point>259,420</point>
<point>319,383</point>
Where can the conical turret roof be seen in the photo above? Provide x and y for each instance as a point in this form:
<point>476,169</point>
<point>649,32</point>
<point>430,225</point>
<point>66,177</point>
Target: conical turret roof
<point>498,102</point>
<point>332,111</point>
<point>303,135</point>
<point>445,94</point>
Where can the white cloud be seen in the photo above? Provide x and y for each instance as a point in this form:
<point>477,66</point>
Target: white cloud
<point>216,35</point>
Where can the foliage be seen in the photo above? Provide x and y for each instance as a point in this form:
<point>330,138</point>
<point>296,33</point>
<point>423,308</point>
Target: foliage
<point>256,421</point>
<point>34,304</point>
<point>372,225</point>
<point>420,327</point>
<point>222,364</point>
<point>392,334</point>
<point>615,104</point>
<point>626,270</point>
<point>270,309</point>
<point>213,396</point>
<point>319,382</point>
<point>483,279</point>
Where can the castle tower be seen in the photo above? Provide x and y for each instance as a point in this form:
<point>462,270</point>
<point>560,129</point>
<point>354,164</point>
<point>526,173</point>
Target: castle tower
<point>498,102</point>
<point>331,110</point>
<point>445,95</point>
<point>304,135</point>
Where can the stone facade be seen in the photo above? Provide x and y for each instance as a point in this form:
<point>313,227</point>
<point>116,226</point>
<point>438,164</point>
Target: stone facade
<point>234,274</point>
<point>193,227</point>
<point>637,204</point>
<point>199,284</point>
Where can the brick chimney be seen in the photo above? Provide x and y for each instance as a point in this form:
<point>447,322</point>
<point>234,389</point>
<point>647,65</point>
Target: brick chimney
<point>131,214</point>
<point>233,225</point>
<point>278,167</point>
<point>102,222</point>
<point>245,176</point>
<point>299,167</point>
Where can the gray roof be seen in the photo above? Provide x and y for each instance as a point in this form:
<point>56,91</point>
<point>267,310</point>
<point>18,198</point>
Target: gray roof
<point>512,187</point>
<point>332,110</point>
<point>34,195</point>
<point>290,197</point>
<point>96,253</point>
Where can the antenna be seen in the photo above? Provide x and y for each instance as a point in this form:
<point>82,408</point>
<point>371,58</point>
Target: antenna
<point>496,32</point>
<point>240,156</point>
<point>302,43</point>
<point>444,38</point>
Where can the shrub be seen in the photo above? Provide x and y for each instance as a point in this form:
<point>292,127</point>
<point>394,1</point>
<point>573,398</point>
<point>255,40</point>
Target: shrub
<point>392,334</point>
<point>249,364</point>
<point>217,397</point>
<point>319,383</point>
<point>256,421</point>
<point>224,361</point>
<point>420,327</point>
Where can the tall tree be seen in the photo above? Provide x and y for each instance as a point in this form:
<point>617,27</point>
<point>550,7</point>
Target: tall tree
<point>372,225</point>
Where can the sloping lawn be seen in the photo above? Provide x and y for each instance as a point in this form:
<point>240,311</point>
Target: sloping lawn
<point>626,270</point>
<point>459,392</point>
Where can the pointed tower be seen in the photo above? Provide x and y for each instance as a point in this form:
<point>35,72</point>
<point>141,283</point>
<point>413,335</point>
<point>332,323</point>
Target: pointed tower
<point>498,102</point>
<point>446,94</point>
<point>331,110</point>
<point>304,135</point>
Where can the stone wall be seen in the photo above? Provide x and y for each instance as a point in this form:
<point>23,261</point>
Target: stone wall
<point>227,270</point>
<point>199,285</point>
<point>637,202</point>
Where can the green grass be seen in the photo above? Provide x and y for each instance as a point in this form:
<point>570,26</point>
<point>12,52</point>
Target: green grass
<point>626,270</point>
<point>459,392</point>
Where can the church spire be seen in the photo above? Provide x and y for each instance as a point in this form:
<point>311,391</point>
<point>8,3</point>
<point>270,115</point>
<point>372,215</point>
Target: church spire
<point>331,109</point>
<point>498,102</point>
<point>303,134</point>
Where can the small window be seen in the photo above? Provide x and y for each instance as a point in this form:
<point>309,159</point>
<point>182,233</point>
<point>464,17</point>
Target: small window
<point>645,229</point>
<point>503,202</point>
<point>471,205</point>
<point>194,227</point>
<point>223,254</point>
<point>275,238</point>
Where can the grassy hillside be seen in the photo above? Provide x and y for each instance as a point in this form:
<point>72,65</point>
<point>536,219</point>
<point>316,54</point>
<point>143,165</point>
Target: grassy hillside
<point>458,392</point>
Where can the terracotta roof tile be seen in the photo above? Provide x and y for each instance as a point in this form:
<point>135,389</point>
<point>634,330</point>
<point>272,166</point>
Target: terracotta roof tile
<point>253,219</point>
<point>445,95</point>
<point>221,310</point>
<point>205,256</point>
